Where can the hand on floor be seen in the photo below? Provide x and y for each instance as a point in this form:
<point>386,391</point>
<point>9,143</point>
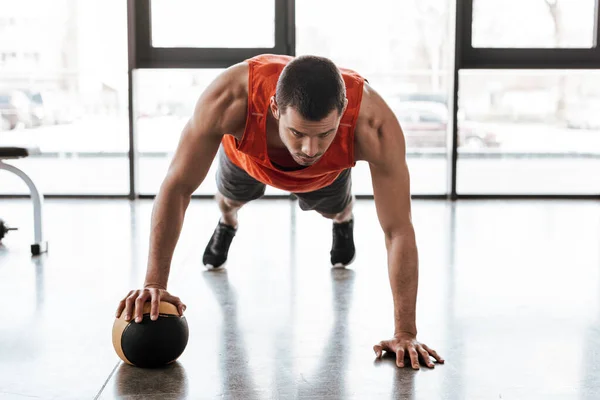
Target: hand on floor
<point>404,343</point>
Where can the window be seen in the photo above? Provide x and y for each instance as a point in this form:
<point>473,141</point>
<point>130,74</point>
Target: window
<point>226,23</point>
<point>165,100</point>
<point>412,75</point>
<point>68,95</point>
<point>533,23</point>
<point>529,132</point>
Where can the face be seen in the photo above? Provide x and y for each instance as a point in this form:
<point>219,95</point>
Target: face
<point>306,140</point>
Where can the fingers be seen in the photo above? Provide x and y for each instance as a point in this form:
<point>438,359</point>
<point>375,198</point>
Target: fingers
<point>176,301</point>
<point>414,350</point>
<point>378,349</point>
<point>133,304</point>
<point>121,306</point>
<point>384,345</point>
<point>434,354</point>
<point>425,355</point>
<point>389,346</point>
<point>154,303</point>
<point>400,357</point>
<point>129,304</point>
<point>139,305</point>
<point>414,357</point>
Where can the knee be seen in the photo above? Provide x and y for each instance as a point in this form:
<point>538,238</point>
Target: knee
<point>228,204</point>
<point>328,216</point>
<point>342,215</point>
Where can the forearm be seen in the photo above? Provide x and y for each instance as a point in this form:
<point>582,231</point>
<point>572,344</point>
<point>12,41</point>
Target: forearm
<point>167,220</point>
<point>403,270</point>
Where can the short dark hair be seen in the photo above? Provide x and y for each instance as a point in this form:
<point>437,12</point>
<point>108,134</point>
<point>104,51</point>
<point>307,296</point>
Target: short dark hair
<point>313,86</point>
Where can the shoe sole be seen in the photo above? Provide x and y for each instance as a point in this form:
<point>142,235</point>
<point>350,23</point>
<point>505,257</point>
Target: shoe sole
<point>211,267</point>
<point>341,265</point>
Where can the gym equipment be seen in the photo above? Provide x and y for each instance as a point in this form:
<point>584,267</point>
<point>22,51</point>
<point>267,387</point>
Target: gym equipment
<point>151,344</point>
<point>4,229</point>
<point>39,245</point>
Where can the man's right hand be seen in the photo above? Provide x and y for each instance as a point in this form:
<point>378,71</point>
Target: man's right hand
<point>133,304</point>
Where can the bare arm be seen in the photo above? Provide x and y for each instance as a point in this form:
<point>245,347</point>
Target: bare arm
<point>391,188</point>
<point>382,145</point>
<point>221,109</point>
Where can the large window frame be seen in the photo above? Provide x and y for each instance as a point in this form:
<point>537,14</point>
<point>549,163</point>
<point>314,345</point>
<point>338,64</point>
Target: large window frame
<point>142,55</point>
<point>467,57</point>
<point>147,56</point>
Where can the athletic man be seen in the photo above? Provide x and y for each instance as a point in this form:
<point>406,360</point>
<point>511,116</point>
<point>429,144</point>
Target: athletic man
<point>300,125</point>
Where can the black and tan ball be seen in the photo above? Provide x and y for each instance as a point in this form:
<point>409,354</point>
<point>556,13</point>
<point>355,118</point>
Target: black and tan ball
<point>151,344</point>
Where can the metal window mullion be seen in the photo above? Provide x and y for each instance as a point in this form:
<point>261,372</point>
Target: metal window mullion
<point>291,27</point>
<point>597,25</point>
<point>134,49</point>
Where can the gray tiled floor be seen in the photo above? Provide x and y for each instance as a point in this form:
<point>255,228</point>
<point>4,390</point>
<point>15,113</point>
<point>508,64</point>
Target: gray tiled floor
<point>509,295</point>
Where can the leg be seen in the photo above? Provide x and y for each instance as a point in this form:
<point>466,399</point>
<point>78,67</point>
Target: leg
<point>335,202</point>
<point>236,188</point>
<point>229,209</point>
<point>343,216</point>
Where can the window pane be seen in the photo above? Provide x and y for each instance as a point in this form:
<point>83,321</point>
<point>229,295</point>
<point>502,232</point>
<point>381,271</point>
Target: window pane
<point>165,100</point>
<point>544,124</point>
<point>412,75</point>
<point>226,23</point>
<point>533,23</point>
<point>63,80</point>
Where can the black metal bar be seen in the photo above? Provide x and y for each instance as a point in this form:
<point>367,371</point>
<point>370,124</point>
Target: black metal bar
<point>462,33</point>
<point>291,27</point>
<point>597,24</point>
<point>465,25</point>
<point>132,61</point>
<point>177,57</point>
<point>132,141</point>
<point>140,19</point>
<point>522,58</point>
<point>500,58</point>
<point>148,56</point>
<point>280,27</point>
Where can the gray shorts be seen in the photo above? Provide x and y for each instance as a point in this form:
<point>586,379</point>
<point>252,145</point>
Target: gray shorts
<point>234,183</point>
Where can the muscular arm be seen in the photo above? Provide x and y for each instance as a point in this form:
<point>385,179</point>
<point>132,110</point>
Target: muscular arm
<point>220,109</point>
<point>383,147</point>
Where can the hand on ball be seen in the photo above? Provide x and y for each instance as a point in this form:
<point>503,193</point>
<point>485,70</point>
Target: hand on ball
<point>133,304</point>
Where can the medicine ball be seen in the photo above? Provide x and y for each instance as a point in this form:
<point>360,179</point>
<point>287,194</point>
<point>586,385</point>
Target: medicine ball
<point>150,344</point>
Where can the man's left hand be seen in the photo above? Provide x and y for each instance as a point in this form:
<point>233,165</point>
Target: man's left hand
<point>404,343</point>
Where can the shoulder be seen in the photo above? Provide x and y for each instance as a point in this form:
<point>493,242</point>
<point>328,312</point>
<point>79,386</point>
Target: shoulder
<point>229,90</point>
<point>377,131</point>
<point>225,99</point>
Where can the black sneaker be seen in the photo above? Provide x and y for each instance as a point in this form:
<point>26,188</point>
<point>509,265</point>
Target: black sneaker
<point>217,248</point>
<point>342,247</point>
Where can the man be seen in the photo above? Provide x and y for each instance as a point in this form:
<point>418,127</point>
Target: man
<point>298,124</point>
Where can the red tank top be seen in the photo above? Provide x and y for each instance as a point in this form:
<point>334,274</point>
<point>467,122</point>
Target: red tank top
<point>250,153</point>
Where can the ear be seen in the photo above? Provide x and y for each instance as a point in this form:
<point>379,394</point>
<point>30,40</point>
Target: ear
<point>274,108</point>
<point>345,105</point>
